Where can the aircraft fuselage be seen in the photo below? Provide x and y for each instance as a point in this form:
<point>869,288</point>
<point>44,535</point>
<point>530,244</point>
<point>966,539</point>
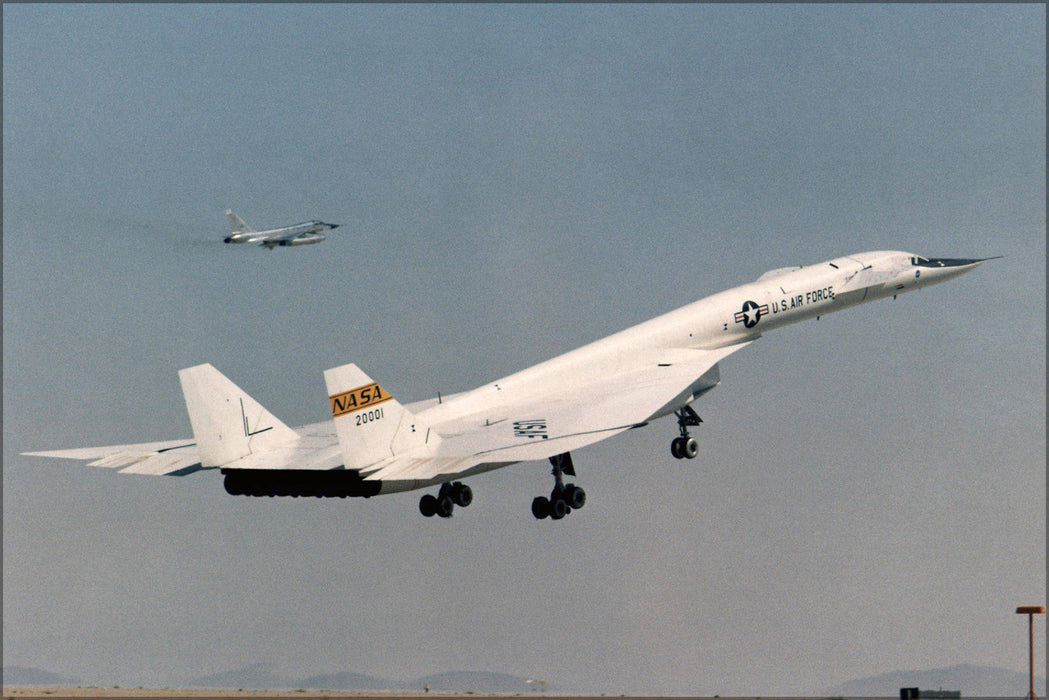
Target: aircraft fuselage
<point>375,445</point>
<point>306,233</point>
<point>730,318</point>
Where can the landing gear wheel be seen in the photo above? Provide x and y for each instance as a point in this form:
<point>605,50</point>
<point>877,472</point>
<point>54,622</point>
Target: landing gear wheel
<point>444,503</point>
<point>558,508</point>
<point>462,494</point>
<point>428,505</point>
<point>565,497</point>
<point>541,507</point>
<point>685,447</point>
<point>575,497</point>
<point>445,506</point>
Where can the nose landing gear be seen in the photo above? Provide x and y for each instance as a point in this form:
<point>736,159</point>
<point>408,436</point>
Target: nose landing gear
<point>565,497</point>
<point>685,447</point>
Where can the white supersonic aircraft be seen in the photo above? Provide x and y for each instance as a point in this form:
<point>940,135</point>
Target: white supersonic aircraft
<point>306,233</point>
<point>375,445</point>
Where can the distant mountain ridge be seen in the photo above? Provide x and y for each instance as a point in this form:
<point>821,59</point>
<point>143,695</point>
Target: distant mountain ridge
<point>24,675</point>
<point>972,681</point>
<point>260,676</point>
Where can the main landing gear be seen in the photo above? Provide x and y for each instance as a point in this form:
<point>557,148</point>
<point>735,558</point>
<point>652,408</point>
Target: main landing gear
<point>450,496</point>
<point>685,447</point>
<point>565,497</point>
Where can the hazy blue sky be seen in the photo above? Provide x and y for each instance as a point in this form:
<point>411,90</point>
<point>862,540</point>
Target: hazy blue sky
<point>514,181</point>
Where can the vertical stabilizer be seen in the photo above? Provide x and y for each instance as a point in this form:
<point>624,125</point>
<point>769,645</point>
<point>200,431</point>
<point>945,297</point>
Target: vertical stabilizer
<point>370,423</point>
<point>236,223</point>
<point>227,423</point>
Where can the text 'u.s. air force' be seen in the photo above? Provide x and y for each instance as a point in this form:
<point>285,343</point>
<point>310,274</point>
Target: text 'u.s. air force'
<point>357,399</point>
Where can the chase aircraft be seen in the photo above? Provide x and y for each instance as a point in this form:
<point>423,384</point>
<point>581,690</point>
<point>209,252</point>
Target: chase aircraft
<point>305,233</point>
<point>375,445</point>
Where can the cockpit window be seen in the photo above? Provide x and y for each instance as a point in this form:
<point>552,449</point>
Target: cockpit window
<point>918,260</point>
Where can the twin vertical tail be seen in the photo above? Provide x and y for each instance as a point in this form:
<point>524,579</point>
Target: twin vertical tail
<point>371,425</point>
<point>229,425</point>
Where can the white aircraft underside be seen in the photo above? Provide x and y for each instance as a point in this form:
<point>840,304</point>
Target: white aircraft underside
<point>375,445</point>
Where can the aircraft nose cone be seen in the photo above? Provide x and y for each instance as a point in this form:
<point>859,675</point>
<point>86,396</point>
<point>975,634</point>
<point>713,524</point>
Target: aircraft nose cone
<point>933,270</point>
<point>334,225</point>
<point>957,262</point>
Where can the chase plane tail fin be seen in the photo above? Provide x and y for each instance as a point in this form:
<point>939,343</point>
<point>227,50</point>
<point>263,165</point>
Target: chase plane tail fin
<point>227,423</point>
<point>237,224</point>
<point>370,423</point>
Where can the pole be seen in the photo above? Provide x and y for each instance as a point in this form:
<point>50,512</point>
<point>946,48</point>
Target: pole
<point>1030,654</point>
<point>1030,611</point>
